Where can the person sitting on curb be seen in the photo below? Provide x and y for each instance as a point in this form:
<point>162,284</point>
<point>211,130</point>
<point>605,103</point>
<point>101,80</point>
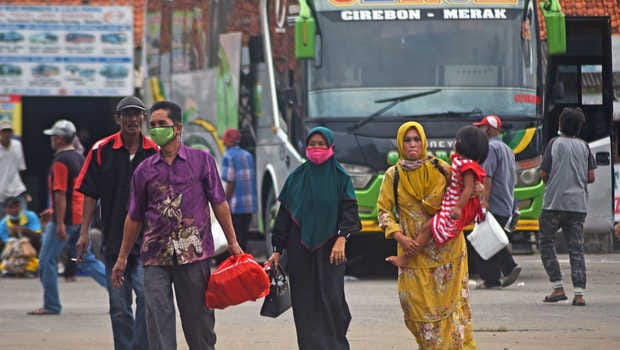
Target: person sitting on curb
<point>24,229</point>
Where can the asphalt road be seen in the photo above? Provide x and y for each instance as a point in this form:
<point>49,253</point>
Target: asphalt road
<point>511,318</point>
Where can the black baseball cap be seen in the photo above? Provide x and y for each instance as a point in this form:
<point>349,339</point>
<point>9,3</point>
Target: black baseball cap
<point>130,102</point>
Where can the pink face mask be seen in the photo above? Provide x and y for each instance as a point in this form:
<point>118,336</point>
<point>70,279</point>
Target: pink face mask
<point>319,155</point>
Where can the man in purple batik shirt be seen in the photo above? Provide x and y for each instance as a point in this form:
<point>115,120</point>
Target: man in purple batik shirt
<point>170,194</point>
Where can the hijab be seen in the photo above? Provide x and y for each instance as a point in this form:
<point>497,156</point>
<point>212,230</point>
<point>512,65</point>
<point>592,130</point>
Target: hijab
<point>419,177</point>
<point>312,195</point>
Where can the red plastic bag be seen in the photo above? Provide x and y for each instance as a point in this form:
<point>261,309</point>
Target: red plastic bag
<point>236,280</point>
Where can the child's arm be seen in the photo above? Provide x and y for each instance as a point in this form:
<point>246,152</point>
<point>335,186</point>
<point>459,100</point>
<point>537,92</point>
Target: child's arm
<point>468,189</point>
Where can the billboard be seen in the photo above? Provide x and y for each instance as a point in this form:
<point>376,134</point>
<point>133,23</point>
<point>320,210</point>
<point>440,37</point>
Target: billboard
<point>66,50</point>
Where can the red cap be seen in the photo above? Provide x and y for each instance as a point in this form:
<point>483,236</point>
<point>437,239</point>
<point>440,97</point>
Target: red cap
<point>490,120</point>
<point>231,136</point>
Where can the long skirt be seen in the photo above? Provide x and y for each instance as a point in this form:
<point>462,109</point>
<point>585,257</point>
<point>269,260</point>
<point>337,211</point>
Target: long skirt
<point>320,310</point>
<point>435,301</point>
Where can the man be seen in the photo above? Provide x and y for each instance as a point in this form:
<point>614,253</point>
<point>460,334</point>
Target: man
<point>11,163</point>
<point>20,224</point>
<point>170,193</point>
<point>567,168</point>
<point>66,217</point>
<point>106,176</point>
<point>240,176</point>
<point>498,198</point>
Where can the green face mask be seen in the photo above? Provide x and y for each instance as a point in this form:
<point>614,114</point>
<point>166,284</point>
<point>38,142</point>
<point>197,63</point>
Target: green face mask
<point>161,136</point>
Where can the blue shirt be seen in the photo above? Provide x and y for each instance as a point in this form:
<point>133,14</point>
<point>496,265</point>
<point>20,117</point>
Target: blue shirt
<point>500,167</point>
<point>27,218</point>
<point>238,168</point>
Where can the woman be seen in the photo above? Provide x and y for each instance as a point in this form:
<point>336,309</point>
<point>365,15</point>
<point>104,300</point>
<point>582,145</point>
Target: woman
<point>318,212</point>
<point>432,287</point>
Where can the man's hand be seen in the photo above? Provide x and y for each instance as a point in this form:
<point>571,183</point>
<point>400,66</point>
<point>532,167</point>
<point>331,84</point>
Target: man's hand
<point>15,230</point>
<point>45,216</point>
<point>81,247</point>
<point>118,272</point>
<point>484,204</point>
<point>337,255</point>
<point>234,249</point>
<point>61,231</point>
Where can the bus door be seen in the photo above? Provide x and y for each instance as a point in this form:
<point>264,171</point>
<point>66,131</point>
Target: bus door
<point>582,77</point>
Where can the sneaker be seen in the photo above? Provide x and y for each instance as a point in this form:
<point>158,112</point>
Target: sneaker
<point>512,276</point>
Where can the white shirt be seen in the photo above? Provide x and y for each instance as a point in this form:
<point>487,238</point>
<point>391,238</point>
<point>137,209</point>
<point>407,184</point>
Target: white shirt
<point>11,163</point>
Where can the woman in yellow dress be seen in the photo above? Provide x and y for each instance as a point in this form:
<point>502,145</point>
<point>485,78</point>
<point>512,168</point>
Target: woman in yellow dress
<point>433,287</point>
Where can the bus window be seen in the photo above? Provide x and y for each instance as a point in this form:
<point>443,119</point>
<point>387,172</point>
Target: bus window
<point>592,87</point>
<point>566,87</point>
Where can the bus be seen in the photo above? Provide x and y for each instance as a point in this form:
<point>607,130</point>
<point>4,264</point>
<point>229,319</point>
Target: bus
<point>275,68</point>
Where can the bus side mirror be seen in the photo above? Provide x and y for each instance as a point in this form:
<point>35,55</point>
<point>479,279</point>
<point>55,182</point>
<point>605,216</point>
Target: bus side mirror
<point>556,26</point>
<point>305,31</point>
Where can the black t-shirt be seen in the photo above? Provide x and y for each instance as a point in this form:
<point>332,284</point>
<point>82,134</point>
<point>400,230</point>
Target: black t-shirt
<point>106,175</point>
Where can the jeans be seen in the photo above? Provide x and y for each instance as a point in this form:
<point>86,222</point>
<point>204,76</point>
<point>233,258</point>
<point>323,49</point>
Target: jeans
<point>48,261</point>
<point>572,228</point>
<point>129,332</point>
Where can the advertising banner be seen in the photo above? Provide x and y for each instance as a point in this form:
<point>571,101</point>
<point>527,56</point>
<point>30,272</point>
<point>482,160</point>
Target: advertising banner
<point>11,109</point>
<point>66,50</point>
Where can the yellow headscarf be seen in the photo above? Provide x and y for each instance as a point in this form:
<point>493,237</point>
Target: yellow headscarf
<point>425,183</point>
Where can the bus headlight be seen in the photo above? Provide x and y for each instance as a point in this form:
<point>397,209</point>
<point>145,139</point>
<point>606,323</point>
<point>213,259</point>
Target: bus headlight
<point>360,174</point>
<point>528,172</point>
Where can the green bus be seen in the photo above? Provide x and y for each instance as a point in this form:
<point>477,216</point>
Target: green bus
<point>275,68</point>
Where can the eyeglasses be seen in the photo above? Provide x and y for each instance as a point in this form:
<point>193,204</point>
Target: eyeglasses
<point>414,139</point>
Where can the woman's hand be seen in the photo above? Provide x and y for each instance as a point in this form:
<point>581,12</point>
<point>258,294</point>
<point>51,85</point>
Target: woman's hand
<point>409,245</point>
<point>274,260</point>
<point>337,256</point>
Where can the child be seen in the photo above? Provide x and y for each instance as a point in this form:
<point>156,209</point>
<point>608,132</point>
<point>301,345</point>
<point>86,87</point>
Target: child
<point>458,207</point>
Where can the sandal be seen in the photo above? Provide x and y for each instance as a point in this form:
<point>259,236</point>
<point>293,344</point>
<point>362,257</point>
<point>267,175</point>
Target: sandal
<point>554,298</point>
<point>42,311</point>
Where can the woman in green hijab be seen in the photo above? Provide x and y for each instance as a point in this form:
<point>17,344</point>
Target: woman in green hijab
<point>318,212</point>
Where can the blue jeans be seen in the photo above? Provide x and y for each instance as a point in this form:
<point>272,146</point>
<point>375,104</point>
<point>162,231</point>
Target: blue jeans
<point>129,332</point>
<point>48,264</point>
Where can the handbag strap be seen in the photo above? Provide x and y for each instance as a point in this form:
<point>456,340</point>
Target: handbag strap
<point>395,187</point>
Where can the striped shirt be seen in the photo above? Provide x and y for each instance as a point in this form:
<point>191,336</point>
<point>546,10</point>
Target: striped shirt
<point>443,226</point>
<point>238,168</point>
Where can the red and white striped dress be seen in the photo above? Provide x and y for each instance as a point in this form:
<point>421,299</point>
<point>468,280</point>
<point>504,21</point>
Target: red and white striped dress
<point>443,226</point>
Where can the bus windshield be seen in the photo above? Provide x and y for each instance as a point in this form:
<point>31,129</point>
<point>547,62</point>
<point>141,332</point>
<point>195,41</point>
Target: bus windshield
<point>477,64</point>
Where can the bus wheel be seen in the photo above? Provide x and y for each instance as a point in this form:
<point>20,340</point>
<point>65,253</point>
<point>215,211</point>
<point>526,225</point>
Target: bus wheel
<point>269,218</point>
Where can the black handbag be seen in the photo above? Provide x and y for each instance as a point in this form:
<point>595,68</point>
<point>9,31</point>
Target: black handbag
<point>279,298</point>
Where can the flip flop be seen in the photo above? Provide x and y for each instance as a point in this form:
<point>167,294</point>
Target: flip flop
<point>554,298</point>
<point>42,312</point>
